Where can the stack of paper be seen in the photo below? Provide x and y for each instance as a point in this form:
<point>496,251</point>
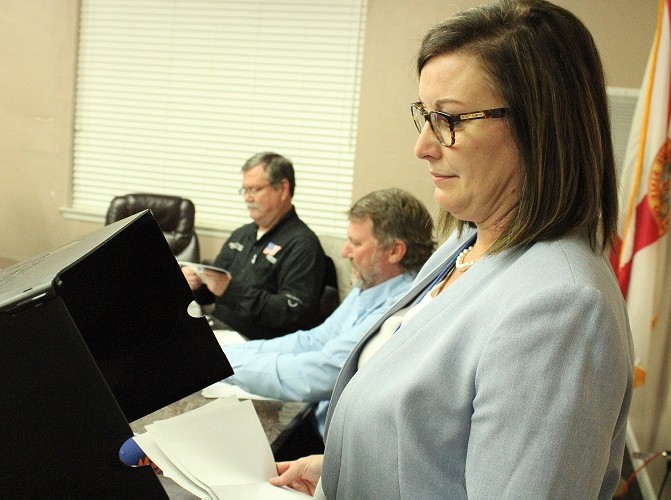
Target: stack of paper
<point>216,451</point>
<point>225,390</point>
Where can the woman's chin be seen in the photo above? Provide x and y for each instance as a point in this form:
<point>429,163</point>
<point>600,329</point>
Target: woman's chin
<point>443,200</point>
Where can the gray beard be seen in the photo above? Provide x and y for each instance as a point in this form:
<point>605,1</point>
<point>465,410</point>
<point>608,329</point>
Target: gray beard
<point>364,283</point>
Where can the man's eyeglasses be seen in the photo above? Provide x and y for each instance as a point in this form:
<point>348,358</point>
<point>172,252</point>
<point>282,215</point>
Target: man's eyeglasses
<point>442,124</point>
<point>253,190</point>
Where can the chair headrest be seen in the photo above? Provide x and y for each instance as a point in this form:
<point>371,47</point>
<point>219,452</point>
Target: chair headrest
<point>173,213</point>
<point>175,216</point>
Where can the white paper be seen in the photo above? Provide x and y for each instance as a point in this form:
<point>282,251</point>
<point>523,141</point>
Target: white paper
<point>225,390</point>
<point>152,450</point>
<point>199,269</point>
<point>257,491</point>
<point>219,450</point>
<point>213,438</point>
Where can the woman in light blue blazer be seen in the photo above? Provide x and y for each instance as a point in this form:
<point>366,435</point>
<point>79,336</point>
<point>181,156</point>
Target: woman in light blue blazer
<point>507,371</point>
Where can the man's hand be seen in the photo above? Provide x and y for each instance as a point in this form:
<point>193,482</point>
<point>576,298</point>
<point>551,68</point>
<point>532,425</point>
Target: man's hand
<point>216,282</point>
<point>301,475</point>
<point>192,278</point>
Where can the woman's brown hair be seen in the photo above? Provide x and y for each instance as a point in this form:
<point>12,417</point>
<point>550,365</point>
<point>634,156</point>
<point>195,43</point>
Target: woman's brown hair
<point>543,63</point>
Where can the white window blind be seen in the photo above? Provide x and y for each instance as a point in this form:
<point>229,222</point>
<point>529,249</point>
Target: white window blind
<point>174,95</point>
<point>622,103</point>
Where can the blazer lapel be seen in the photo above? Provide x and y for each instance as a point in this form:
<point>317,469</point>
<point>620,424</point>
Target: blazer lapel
<point>351,364</point>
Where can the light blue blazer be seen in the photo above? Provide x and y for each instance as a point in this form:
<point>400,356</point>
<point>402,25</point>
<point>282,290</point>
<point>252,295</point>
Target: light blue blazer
<point>515,382</point>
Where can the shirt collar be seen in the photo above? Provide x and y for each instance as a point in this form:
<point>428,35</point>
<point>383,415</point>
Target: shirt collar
<point>380,293</point>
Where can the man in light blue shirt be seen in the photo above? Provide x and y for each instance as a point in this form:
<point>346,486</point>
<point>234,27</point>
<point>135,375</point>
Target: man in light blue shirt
<point>389,237</point>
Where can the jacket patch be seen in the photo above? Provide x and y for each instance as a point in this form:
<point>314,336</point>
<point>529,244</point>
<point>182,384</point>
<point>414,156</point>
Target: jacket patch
<point>272,249</point>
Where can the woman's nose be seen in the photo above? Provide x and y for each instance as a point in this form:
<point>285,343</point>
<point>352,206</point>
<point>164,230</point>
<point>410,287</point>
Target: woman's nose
<point>427,144</point>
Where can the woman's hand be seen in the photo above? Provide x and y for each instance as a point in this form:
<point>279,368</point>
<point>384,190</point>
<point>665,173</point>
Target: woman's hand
<point>301,475</point>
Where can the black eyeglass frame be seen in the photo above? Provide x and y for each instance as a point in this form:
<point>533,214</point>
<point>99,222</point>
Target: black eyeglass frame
<point>433,116</point>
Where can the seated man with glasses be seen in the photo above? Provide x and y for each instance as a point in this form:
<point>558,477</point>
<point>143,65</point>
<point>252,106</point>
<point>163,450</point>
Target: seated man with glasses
<point>276,263</point>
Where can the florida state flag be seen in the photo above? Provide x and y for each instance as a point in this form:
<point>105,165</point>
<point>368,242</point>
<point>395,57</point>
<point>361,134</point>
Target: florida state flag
<point>641,256</point>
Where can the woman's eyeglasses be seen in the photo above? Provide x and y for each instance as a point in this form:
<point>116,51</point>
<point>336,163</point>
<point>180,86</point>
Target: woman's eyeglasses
<point>442,124</point>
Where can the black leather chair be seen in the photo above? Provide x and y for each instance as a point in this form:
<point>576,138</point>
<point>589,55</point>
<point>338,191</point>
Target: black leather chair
<point>330,299</point>
<point>175,216</point>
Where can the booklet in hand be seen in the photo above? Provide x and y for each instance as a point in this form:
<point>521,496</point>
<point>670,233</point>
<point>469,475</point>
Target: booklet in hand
<point>199,269</point>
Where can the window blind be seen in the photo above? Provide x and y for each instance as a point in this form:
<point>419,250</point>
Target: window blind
<point>622,102</point>
<point>174,95</point>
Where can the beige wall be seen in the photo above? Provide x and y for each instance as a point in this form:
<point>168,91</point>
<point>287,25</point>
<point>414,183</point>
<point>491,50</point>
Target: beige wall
<point>38,46</point>
<point>394,29</point>
<point>37,43</point>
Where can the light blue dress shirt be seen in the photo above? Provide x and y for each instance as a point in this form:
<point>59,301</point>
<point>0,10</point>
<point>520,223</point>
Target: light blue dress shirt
<point>304,365</point>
